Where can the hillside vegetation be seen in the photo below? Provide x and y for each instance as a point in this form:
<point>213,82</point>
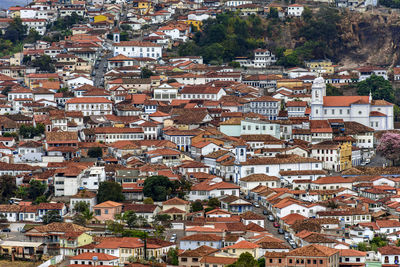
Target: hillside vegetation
<point>348,38</point>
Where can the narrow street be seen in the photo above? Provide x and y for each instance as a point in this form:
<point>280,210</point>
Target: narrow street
<point>101,70</point>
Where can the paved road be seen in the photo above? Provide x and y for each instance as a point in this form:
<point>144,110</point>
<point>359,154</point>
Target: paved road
<point>378,161</point>
<point>100,71</point>
<point>268,225</point>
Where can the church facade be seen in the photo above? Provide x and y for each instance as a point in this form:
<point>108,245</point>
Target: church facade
<point>377,114</point>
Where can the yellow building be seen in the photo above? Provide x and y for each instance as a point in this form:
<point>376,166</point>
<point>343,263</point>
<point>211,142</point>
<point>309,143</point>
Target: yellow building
<point>72,240</point>
<point>197,24</point>
<point>100,18</point>
<point>144,6</point>
<point>289,83</point>
<point>321,66</point>
<point>345,155</point>
<point>241,247</point>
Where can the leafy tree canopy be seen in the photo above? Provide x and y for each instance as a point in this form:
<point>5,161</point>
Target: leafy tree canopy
<point>378,86</point>
<point>7,187</point>
<point>225,37</point>
<point>157,187</point>
<point>36,189</point>
<point>245,260</point>
<point>95,152</point>
<point>52,216</point>
<point>197,206</point>
<point>109,190</point>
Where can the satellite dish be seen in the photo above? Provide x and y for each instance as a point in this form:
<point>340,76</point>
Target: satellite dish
<point>95,258</point>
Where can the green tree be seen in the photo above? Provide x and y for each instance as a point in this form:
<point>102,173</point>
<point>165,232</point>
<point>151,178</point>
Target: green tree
<point>16,31</point>
<point>234,64</point>
<point>307,14</point>
<point>396,112</point>
<point>79,219</point>
<point>333,91</point>
<point>146,73</point>
<point>115,227</point>
<point>126,27</point>
<point>362,246</point>
<point>261,262</point>
<point>40,199</point>
<point>28,131</point>
<point>7,187</point>
<point>124,36</point>
<point>52,216</point>
<point>225,37</point>
<point>213,203</point>
<point>84,217</point>
<point>109,190</point>
<point>273,13</point>
<point>159,231</point>
<point>148,200</point>
<point>81,206</point>
<point>157,187</point>
<point>245,260</point>
<point>163,219</point>
<point>95,152</point>
<point>22,192</point>
<point>44,63</point>
<point>130,219</point>
<point>197,206</point>
<point>378,86</point>
<point>36,189</point>
<point>379,241</point>
<point>33,36</point>
<point>172,256</point>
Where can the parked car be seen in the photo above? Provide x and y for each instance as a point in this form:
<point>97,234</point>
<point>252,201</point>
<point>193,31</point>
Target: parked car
<point>256,205</point>
<point>292,244</point>
<point>281,231</point>
<point>6,230</point>
<point>277,225</point>
<point>23,230</point>
<point>271,218</point>
<point>287,236</point>
<point>265,212</point>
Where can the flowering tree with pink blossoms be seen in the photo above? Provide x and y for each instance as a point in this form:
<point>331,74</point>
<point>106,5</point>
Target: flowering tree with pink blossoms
<point>389,146</point>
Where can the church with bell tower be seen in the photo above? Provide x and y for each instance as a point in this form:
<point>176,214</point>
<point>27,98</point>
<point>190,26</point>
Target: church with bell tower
<point>377,114</point>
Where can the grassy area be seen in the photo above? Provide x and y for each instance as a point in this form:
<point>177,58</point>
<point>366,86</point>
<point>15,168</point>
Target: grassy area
<point>5,263</point>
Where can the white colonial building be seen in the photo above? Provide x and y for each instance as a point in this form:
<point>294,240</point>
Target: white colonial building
<point>138,49</point>
<point>90,105</point>
<point>377,114</point>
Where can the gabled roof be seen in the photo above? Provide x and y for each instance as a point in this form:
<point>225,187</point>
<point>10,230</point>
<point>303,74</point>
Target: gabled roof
<point>242,245</point>
<point>202,237</point>
<point>175,201</point>
<point>90,255</point>
<point>108,204</point>
<point>313,250</point>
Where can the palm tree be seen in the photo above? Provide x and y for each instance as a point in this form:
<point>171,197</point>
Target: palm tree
<point>87,215</point>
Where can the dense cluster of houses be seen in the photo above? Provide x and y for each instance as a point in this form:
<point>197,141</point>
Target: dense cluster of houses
<point>275,150</point>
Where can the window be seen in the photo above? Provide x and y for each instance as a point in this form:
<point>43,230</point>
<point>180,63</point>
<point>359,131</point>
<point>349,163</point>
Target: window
<point>184,259</point>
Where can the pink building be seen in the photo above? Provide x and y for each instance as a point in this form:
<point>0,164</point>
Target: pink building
<point>107,210</point>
